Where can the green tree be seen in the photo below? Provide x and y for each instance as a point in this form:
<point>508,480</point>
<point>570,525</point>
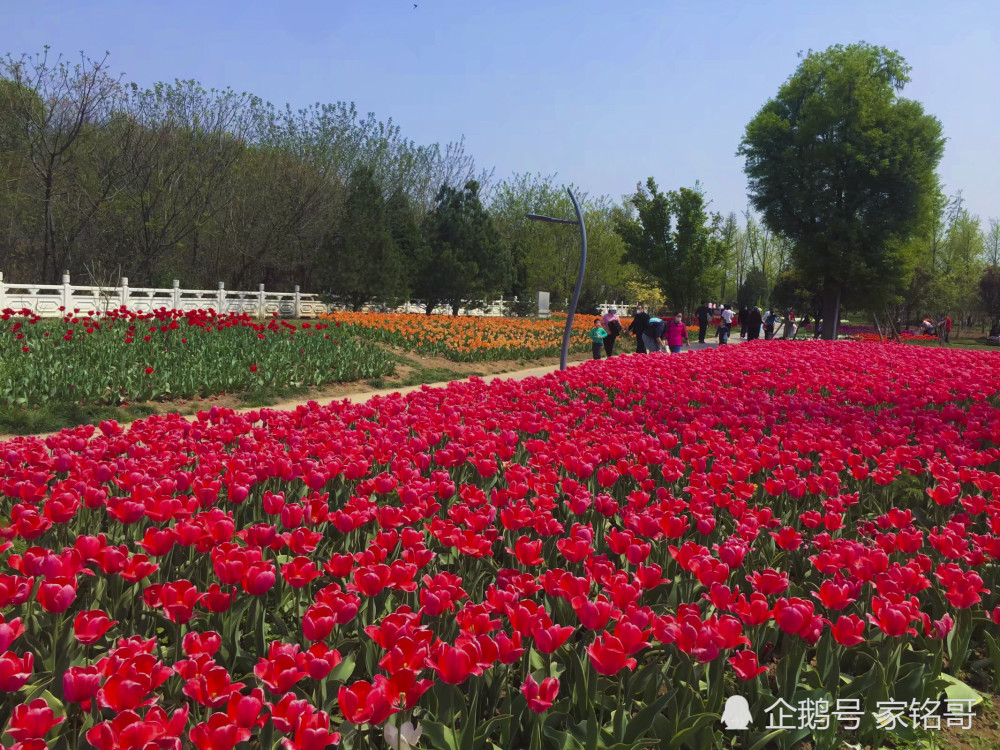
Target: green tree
<point>463,256</point>
<point>839,163</point>
<point>754,290</point>
<point>673,239</point>
<point>991,244</point>
<point>547,256</point>
<point>989,293</point>
<point>365,262</point>
<point>53,106</point>
<point>403,215</point>
<point>731,244</point>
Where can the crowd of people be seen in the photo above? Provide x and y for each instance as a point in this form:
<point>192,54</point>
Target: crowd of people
<point>656,333</point>
<point>665,332</point>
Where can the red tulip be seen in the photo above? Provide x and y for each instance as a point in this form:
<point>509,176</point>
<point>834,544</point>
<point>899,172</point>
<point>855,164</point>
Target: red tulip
<point>80,684</point>
<point>91,625</point>
<point>258,578</point>
<point>312,733</point>
<point>32,721</point>
<point>744,663</point>
<point>593,614</point>
<point>15,671</point>
<point>320,660</point>
<point>366,703</point>
<point>454,664</point>
<point>848,629</point>
<point>247,711</point>
<point>56,594</point>
<point>793,615</point>
<point>207,643</point>
<point>299,572</point>
<point>548,639</point>
<point>608,655</point>
<point>540,697</point>
<point>15,590</point>
<point>128,730</point>
<point>278,673</point>
<point>527,551</point>
<point>218,733</point>
<point>10,632</point>
<point>318,622</point>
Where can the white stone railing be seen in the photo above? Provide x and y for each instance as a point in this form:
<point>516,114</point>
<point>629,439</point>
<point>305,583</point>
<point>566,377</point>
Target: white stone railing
<point>55,300</point>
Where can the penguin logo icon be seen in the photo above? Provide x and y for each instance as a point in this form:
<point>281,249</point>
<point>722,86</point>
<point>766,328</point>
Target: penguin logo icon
<point>736,714</point>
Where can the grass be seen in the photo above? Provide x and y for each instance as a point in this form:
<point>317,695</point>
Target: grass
<point>978,342</point>
<point>424,375</point>
<point>271,396</point>
<point>16,420</point>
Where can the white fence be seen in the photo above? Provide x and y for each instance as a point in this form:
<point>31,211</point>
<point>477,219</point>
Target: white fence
<point>55,300</point>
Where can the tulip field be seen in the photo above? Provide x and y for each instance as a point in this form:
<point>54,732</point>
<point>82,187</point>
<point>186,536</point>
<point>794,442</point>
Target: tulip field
<point>470,339</point>
<point>597,559</point>
<point>126,357</point>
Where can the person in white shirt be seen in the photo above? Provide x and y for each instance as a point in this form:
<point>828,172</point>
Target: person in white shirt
<point>727,324</point>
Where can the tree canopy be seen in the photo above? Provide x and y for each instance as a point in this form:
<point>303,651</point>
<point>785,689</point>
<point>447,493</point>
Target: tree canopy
<point>673,239</point>
<point>463,257</point>
<point>841,164</point>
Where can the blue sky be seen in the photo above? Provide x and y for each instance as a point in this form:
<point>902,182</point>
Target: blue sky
<point>602,93</point>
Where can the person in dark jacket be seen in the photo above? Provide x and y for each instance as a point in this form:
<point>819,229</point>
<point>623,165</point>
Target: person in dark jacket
<point>638,327</point>
<point>744,312</point>
<point>703,314</point>
<point>754,322</point>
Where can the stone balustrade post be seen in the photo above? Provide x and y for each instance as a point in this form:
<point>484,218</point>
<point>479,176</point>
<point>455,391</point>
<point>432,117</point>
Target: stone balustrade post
<point>67,293</point>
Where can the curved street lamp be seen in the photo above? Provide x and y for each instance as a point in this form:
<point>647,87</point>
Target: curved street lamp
<point>579,276</point>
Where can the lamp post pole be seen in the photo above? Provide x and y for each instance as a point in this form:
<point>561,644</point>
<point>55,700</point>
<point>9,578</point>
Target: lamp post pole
<point>579,276</point>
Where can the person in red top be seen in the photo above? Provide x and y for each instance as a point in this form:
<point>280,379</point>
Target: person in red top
<point>946,328</point>
<point>676,333</point>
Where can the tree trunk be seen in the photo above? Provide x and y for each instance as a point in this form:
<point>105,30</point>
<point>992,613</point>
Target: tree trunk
<point>49,236</point>
<point>455,306</point>
<point>831,309</point>
<point>429,308</point>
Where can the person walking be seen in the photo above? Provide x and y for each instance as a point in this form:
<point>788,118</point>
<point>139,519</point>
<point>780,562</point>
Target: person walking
<point>677,333</point>
<point>727,325</point>
<point>754,323</point>
<point>638,327</point>
<point>597,336</point>
<point>790,329</point>
<point>744,312</point>
<point>769,320</point>
<point>703,314</point>
<point>652,337</point>
<point>613,325</point>
<point>946,328</point>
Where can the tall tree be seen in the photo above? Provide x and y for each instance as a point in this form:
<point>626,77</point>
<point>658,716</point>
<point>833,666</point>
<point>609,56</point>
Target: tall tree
<point>674,239</point>
<point>731,243</point>
<point>181,144</point>
<point>991,244</point>
<point>51,106</point>
<point>365,262</point>
<point>463,256</point>
<point>839,163</point>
